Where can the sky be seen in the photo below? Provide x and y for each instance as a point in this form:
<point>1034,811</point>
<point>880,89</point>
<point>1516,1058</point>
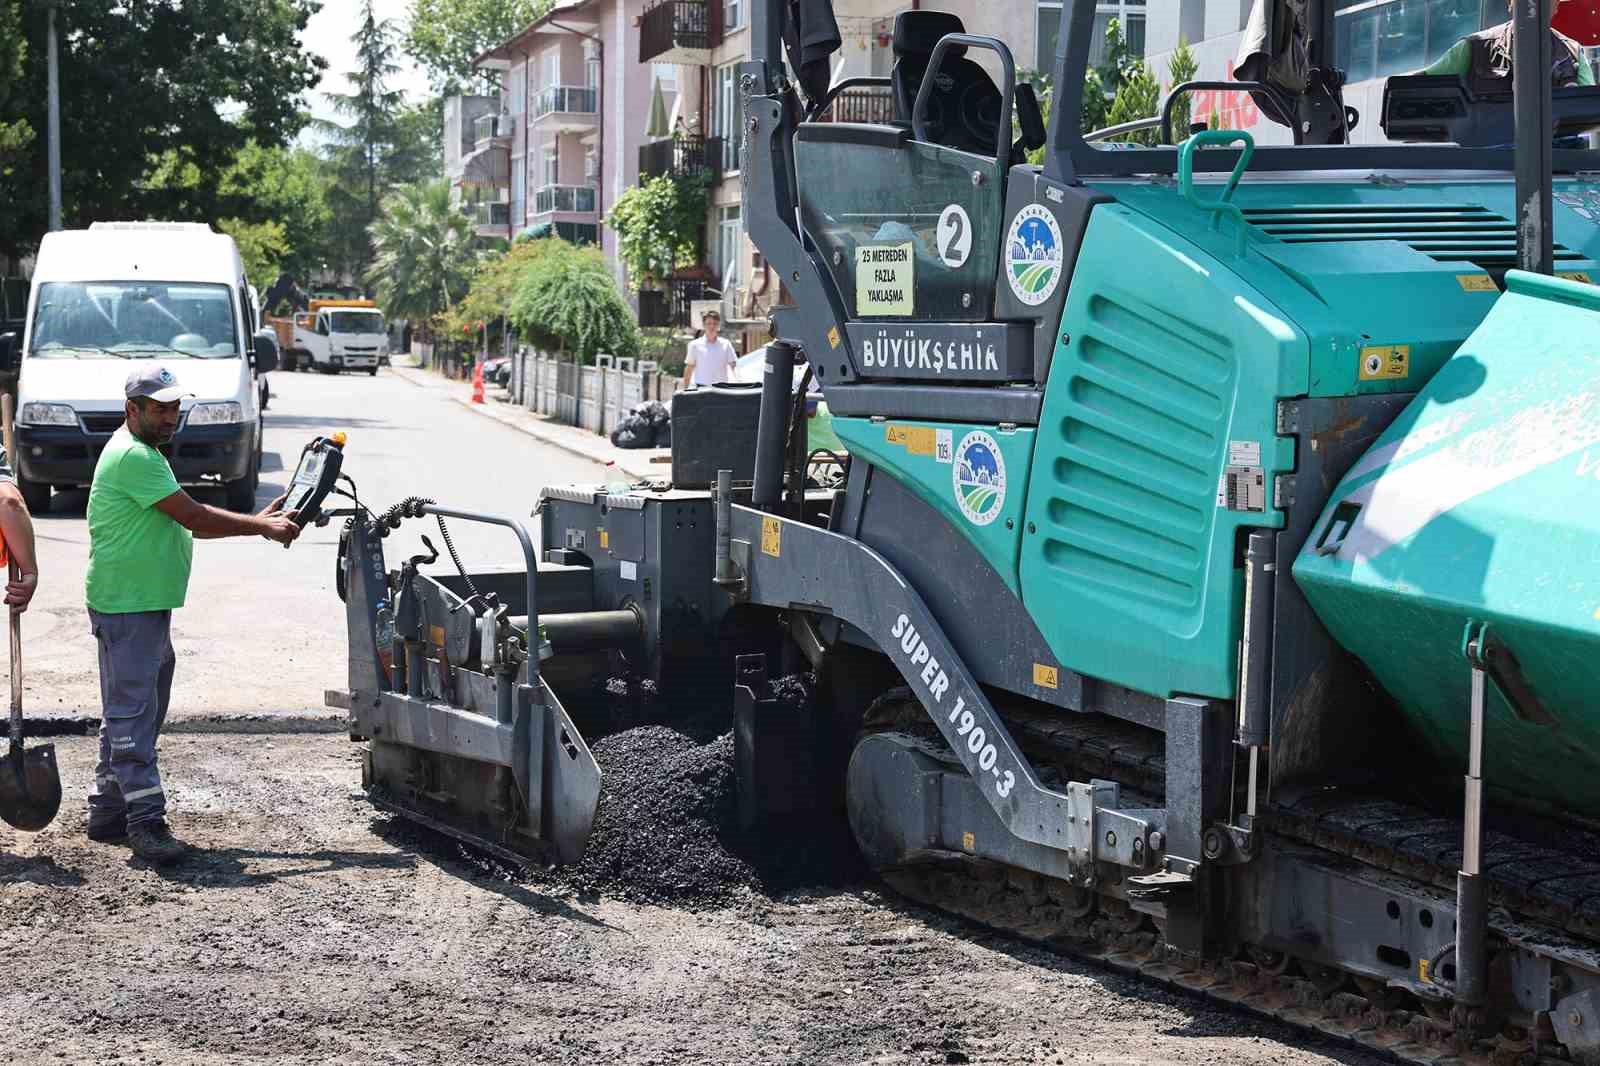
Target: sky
<point>328,34</point>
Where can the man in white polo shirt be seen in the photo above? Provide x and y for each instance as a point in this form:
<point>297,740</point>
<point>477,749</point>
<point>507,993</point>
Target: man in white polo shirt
<point>711,358</point>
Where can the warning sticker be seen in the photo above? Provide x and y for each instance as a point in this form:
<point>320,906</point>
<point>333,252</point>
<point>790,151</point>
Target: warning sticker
<point>884,278</point>
<point>630,571</point>
<point>1476,283</point>
<point>1244,453</point>
<point>917,440</point>
<point>1046,676</point>
<point>945,446</point>
<point>1242,488</point>
<point>772,537</point>
<point>1385,362</point>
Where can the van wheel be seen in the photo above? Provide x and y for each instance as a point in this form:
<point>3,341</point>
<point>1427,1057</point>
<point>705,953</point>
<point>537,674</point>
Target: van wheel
<point>241,494</point>
<point>372,370</point>
<point>35,494</point>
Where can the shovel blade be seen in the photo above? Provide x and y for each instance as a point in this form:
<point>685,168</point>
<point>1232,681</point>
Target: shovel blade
<point>30,787</point>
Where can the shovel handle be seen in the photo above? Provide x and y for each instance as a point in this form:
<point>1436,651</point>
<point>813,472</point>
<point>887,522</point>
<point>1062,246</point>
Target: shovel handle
<point>15,620</point>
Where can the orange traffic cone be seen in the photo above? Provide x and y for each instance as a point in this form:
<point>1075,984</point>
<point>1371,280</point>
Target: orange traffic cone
<point>477,382</point>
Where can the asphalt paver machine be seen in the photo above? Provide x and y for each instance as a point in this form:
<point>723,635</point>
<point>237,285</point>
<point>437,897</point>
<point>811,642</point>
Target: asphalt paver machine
<point>1212,511</point>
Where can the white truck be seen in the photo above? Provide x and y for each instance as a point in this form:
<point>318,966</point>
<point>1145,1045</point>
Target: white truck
<point>337,335</point>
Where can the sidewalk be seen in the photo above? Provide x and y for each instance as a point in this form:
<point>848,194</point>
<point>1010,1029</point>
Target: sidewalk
<point>637,464</point>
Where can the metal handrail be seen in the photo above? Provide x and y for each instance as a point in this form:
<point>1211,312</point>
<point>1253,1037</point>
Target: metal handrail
<point>529,557</point>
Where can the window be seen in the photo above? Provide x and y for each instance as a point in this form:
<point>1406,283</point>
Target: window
<point>517,89</point>
<point>131,317</point>
<point>1377,38</point>
<point>550,163</point>
<point>1128,13</point>
<point>730,240</point>
<point>591,165</point>
<point>519,190</point>
<point>591,65</point>
<point>725,114</point>
<point>552,68</point>
<point>667,75</point>
<point>733,15</point>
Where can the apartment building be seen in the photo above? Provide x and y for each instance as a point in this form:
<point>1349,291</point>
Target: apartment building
<point>562,142</point>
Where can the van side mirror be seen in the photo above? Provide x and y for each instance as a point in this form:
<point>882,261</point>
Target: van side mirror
<point>266,351</point>
<point>9,343</point>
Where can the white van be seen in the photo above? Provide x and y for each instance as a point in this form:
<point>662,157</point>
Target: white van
<point>120,292</point>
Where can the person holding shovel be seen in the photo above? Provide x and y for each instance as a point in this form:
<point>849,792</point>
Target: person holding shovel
<point>16,541</point>
<point>141,540</point>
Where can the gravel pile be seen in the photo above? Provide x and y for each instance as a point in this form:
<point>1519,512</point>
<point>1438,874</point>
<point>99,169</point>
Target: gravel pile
<point>667,830</point>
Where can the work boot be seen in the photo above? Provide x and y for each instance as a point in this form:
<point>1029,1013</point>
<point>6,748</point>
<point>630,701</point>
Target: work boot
<point>154,842</point>
<point>108,828</point>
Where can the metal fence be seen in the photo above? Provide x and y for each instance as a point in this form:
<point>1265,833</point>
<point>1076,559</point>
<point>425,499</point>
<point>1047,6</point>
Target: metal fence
<point>595,398</point>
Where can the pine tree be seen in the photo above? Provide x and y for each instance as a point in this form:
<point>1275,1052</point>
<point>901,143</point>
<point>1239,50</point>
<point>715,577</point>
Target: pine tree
<point>1182,67</point>
<point>360,151</point>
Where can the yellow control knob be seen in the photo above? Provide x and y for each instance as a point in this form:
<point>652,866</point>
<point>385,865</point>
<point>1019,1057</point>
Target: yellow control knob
<point>338,438</point>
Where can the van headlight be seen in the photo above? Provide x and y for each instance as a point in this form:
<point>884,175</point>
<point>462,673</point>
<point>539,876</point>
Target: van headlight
<point>48,414</point>
<point>214,414</point>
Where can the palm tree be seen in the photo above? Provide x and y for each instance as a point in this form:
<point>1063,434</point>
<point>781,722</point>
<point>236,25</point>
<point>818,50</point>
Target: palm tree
<point>424,254</point>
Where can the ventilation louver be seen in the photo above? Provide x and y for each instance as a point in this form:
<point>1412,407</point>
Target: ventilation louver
<point>1443,232</point>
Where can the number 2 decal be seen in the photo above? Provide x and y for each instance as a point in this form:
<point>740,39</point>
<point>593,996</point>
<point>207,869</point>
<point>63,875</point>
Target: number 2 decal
<point>954,236</point>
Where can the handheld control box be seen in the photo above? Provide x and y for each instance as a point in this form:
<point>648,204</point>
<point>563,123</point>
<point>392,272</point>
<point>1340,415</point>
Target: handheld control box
<point>314,478</point>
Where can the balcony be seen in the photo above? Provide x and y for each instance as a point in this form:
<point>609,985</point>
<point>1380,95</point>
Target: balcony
<point>670,307</point>
<point>860,105</point>
<point>486,129</point>
<point>569,108</point>
<point>572,199</point>
<point>681,157</point>
<point>491,219</point>
<point>680,31</point>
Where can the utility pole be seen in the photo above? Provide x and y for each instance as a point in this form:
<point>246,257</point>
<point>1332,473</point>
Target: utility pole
<point>53,118</point>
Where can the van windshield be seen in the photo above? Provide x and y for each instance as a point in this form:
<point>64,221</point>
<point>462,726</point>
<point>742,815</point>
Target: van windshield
<point>133,320</point>
<point>355,322</point>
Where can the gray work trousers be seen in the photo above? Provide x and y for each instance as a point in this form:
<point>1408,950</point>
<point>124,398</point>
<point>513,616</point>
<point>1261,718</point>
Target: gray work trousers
<point>136,663</point>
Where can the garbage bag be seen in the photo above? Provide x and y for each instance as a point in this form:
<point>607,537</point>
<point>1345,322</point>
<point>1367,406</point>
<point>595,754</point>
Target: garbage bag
<point>634,431</point>
<point>664,434</point>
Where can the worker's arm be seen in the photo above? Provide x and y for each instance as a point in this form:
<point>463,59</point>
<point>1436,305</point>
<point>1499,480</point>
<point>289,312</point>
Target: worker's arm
<point>688,370</point>
<point>17,528</point>
<point>209,523</point>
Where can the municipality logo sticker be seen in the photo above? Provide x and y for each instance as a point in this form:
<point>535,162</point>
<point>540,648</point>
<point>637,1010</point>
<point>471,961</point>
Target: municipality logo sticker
<point>1033,255</point>
<point>980,478</point>
<point>165,376</point>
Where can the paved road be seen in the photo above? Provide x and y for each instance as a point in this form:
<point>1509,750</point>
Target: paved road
<point>263,632</point>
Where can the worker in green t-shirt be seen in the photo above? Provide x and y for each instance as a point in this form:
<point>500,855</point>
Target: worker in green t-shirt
<point>1484,59</point>
<point>141,540</point>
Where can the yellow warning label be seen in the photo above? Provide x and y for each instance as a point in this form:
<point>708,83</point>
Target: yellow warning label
<point>605,540</point>
<point>1385,362</point>
<point>833,336</point>
<point>1476,283</point>
<point>1422,970</point>
<point>1575,275</point>
<point>436,636</point>
<point>918,440</point>
<point>969,842</point>
<point>772,537</point>
<point>1045,676</point>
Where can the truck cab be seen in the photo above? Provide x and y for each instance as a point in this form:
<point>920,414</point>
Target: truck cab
<point>336,335</point>
<point>111,296</point>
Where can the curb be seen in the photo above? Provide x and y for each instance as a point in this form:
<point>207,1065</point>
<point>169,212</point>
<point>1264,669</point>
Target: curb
<point>638,472</point>
<point>255,724</point>
<point>598,454</point>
